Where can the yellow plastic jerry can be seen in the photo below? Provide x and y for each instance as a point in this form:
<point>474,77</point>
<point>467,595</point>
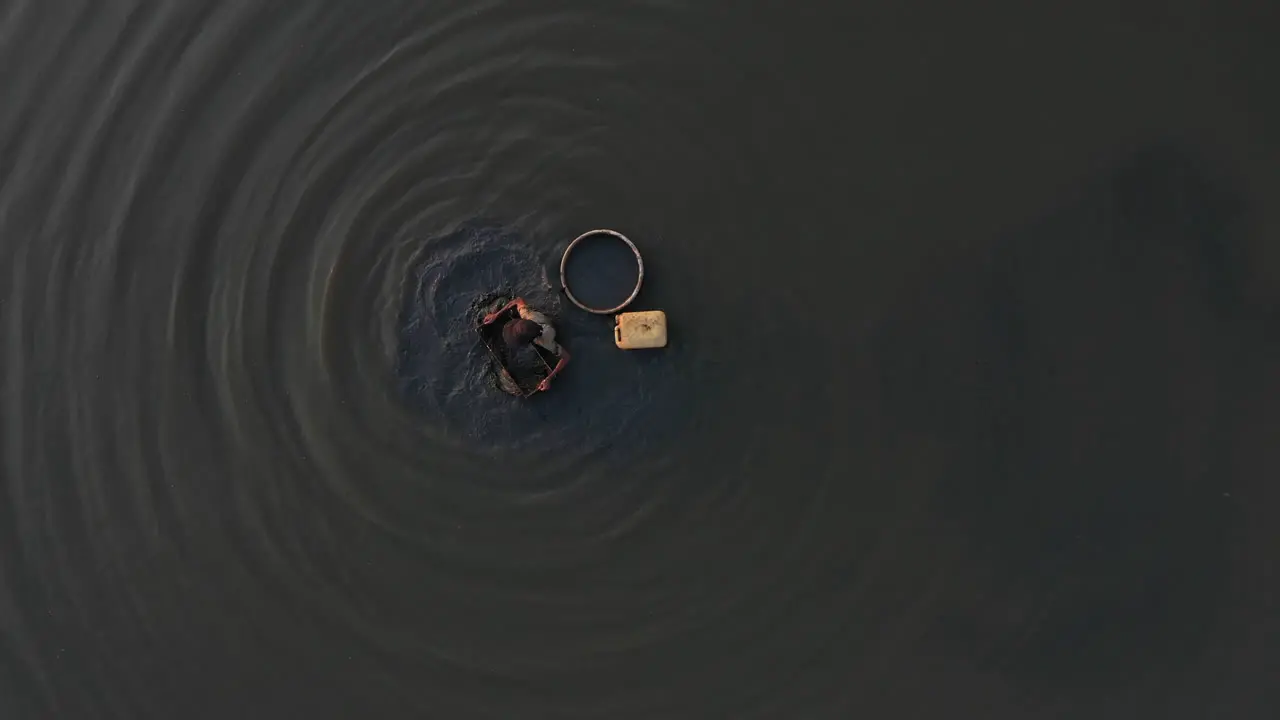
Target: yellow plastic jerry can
<point>640,330</point>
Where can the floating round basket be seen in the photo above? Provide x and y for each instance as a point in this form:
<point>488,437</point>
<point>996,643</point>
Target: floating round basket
<point>593,236</point>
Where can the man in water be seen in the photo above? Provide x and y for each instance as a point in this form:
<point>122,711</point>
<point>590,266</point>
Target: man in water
<point>529,329</point>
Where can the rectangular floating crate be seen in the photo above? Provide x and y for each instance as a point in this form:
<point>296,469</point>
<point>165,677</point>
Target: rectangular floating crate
<point>640,330</point>
<point>527,384</point>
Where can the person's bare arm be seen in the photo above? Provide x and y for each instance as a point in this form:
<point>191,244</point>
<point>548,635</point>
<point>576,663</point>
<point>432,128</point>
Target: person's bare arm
<point>562,360</point>
<point>493,316</point>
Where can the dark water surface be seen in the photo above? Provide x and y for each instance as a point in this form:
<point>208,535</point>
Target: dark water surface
<point>970,408</point>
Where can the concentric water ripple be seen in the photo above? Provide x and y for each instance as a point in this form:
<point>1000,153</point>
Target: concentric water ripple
<point>245,303</point>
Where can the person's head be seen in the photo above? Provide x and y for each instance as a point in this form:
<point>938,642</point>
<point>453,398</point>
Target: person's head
<point>523,332</point>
